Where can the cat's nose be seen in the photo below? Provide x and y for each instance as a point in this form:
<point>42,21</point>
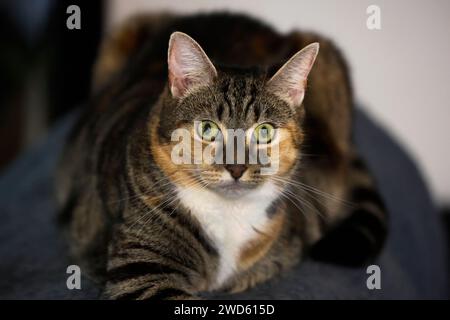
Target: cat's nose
<point>236,170</point>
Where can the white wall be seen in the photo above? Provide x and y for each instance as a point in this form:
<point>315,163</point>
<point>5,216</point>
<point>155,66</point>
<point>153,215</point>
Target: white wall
<point>401,73</point>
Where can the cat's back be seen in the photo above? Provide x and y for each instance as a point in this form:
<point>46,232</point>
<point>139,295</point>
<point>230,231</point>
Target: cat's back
<point>139,45</point>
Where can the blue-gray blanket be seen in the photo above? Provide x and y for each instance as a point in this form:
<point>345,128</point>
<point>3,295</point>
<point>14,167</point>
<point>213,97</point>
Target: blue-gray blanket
<point>33,259</point>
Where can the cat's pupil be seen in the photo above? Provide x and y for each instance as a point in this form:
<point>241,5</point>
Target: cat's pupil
<point>264,132</point>
<point>206,129</point>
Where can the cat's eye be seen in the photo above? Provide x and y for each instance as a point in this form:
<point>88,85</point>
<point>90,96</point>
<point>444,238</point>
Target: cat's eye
<point>264,133</point>
<point>207,130</point>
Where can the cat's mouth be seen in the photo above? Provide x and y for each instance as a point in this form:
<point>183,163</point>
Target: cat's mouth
<point>233,188</point>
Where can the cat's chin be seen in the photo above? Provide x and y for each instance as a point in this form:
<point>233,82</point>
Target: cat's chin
<point>234,189</point>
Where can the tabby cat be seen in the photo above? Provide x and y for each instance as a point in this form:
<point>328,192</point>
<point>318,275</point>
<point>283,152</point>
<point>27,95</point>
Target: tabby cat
<point>147,228</point>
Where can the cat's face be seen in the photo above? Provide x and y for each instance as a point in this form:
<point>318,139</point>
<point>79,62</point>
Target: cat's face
<point>231,131</point>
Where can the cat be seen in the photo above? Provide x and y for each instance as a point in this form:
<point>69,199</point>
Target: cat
<point>147,228</point>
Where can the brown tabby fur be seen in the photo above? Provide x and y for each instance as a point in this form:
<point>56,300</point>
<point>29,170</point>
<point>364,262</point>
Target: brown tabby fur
<point>113,182</point>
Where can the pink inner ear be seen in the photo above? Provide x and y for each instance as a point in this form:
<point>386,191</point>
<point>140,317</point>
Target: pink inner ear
<point>189,67</point>
<point>296,95</point>
<point>175,68</point>
<point>179,85</point>
<point>177,78</point>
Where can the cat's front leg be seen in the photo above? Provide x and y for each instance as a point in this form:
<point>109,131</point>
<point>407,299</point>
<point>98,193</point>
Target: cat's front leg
<point>160,287</point>
<point>284,254</point>
<point>153,269</point>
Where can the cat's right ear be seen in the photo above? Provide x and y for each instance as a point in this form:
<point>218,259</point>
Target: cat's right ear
<point>189,66</point>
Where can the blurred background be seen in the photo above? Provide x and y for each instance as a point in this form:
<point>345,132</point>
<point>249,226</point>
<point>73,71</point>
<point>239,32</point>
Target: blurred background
<point>401,73</point>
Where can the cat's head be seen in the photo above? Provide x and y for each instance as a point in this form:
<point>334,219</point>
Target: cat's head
<point>229,130</point>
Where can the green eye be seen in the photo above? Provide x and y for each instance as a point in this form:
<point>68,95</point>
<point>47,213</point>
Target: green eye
<point>264,133</point>
<point>207,130</point>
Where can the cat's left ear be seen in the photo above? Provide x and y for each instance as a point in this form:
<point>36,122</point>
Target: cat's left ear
<point>289,83</point>
<point>189,66</point>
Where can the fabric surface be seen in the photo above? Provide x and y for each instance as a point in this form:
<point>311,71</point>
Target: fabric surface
<point>33,259</point>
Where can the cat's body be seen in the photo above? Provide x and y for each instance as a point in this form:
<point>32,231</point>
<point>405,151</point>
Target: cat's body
<point>148,228</point>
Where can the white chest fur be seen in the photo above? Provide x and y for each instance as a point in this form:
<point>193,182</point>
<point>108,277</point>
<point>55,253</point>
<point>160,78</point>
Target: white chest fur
<point>230,223</point>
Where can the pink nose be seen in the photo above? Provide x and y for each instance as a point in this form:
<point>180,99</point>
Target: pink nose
<point>236,170</point>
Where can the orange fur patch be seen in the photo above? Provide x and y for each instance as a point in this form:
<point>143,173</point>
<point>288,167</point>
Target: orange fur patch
<point>259,246</point>
<point>290,140</point>
<point>178,174</point>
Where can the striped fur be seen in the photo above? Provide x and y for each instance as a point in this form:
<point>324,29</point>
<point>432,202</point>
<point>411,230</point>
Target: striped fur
<point>137,222</point>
